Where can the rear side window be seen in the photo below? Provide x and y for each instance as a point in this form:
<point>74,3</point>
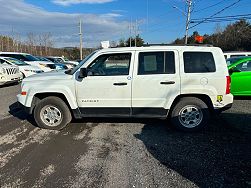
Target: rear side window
<point>156,63</point>
<point>199,62</point>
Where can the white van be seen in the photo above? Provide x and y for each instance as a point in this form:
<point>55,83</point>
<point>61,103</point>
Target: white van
<point>183,83</point>
<point>228,55</point>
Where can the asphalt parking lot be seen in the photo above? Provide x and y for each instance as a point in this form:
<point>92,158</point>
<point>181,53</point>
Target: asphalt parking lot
<point>122,152</point>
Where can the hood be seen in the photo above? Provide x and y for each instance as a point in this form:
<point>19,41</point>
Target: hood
<point>40,62</point>
<point>8,66</point>
<point>72,62</point>
<point>29,67</point>
<point>49,76</point>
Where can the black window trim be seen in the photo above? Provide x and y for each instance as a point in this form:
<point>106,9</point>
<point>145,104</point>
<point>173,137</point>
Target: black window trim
<point>111,53</point>
<point>157,51</point>
<point>199,72</point>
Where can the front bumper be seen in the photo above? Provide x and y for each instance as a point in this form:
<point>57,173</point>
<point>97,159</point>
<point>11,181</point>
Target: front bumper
<point>25,109</point>
<point>9,80</point>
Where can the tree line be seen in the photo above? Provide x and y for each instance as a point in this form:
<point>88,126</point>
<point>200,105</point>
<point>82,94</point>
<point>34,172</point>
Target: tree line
<point>234,37</point>
<point>39,45</point>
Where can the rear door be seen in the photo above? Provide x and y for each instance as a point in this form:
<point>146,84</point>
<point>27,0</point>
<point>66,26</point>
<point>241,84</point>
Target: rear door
<point>240,84</point>
<point>156,82</point>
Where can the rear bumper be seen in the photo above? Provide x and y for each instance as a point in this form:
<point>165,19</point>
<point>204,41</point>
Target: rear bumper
<point>219,110</point>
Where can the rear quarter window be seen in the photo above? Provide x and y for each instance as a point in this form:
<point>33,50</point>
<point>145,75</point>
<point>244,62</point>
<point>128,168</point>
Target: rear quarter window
<point>199,62</point>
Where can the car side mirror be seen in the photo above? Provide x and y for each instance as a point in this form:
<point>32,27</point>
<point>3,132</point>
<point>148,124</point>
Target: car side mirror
<point>82,73</point>
<point>233,70</point>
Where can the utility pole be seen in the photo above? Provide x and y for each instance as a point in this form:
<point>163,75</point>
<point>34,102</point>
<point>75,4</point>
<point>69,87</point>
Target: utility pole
<point>81,39</point>
<point>147,15</point>
<point>136,32</point>
<point>130,30</point>
<point>189,10</point>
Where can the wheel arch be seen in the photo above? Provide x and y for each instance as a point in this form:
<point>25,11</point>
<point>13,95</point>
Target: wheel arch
<point>39,96</point>
<point>205,98</point>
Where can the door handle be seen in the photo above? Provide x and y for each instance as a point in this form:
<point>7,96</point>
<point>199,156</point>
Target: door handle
<point>120,84</point>
<point>167,83</point>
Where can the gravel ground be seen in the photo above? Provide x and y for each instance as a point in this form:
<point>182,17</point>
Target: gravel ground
<point>8,97</point>
<point>124,153</point>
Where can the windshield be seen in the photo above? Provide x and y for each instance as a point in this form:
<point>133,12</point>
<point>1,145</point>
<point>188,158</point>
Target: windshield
<point>43,59</point>
<point>81,63</point>
<point>30,58</point>
<point>231,61</point>
<point>16,61</point>
<point>65,59</point>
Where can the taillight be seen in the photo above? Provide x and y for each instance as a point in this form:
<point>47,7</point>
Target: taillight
<point>228,86</point>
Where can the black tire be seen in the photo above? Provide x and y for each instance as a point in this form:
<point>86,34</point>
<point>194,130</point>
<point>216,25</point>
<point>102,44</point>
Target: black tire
<point>23,75</point>
<point>54,103</point>
<point>183,123</point>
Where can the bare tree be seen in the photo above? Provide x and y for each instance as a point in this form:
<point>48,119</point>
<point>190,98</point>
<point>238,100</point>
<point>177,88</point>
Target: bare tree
<point>47,42</point>
<point>31,42</point>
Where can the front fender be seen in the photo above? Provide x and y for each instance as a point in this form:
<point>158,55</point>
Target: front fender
<point>68,92</point>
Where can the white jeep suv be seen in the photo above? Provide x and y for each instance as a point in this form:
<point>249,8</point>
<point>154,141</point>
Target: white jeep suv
<point>185,83</point>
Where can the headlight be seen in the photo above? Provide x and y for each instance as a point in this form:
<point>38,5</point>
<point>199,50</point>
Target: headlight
<point>35,71</point>
<point>2,71</point>
<point>43,65</point>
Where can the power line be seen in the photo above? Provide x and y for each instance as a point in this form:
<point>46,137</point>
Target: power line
<point>210,6</point>
<point>223,18</point>
<point>239,15</point>
<point>226,20</point>
<point>222,10</point>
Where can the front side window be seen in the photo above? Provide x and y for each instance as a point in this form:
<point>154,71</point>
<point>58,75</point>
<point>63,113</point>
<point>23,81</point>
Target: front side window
<point>199,62</point>
<point>156,63</point>
<point>110,65</point>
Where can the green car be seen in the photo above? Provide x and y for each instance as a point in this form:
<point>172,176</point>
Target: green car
<point>240,72</point>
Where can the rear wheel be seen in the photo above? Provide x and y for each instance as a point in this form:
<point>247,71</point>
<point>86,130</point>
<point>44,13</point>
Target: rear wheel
<point>52,113</point>
<point>190,114</point>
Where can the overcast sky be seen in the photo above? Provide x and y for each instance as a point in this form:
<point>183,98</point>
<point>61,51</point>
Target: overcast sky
<point>159,22</point>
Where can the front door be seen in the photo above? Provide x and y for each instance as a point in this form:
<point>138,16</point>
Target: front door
<point>106,91</point>
<point>240,81</point>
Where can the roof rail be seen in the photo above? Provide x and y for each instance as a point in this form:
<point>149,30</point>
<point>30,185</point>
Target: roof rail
<point>203,45</point>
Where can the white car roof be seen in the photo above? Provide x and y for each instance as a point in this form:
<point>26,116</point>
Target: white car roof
<point>174,47</point>
<point>21,53</point>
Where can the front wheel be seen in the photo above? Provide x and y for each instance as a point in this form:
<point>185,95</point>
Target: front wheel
<point>52,113</point>
<point>190,114</point>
